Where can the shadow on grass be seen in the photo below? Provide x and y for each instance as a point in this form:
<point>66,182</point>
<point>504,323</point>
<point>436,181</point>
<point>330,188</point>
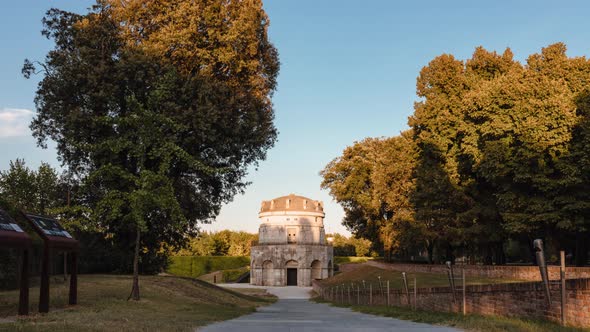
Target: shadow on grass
<point>247,297</point>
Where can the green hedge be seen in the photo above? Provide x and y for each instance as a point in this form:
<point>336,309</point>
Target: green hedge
<point>195,266</point>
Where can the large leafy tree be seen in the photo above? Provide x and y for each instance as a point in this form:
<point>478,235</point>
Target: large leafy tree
<point>481,224</point>
<point>500,151</point>
<point>348,178</point>
<point>158,147</point>
<point>393,183</point>
<point>577,203</point>
<point>373,180</point>
<point>439,199</point>
<point>524,121</point>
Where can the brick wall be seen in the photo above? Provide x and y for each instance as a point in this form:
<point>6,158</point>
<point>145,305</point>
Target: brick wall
<point>525,300</point>
<point>491,271</point>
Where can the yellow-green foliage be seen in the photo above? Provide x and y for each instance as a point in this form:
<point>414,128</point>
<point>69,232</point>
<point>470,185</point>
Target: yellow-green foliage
<point>195,266</point>
<point>350,259</point>
<point>223,243</point>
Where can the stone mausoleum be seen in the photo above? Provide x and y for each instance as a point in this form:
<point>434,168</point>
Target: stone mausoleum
<point>292,248</point>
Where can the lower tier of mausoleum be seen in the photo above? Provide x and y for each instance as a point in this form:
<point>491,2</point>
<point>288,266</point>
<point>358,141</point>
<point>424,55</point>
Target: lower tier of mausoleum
<point>290,264</point>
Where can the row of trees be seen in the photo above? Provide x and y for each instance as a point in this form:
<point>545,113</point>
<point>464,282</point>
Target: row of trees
<point>41,191</point>
<point>158,109</point>
<point>238,243</point>
<point>350,246</point>
<point>497,151</point>
<point>222,243</point>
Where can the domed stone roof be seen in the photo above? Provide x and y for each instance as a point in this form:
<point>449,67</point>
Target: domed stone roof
<point>292,202</point>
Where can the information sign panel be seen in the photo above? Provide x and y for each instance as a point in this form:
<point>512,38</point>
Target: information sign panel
<point>49,226</point>
<point>8,224</point>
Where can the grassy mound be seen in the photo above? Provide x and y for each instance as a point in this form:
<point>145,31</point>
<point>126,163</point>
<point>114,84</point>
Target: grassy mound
<point>371,274</point>
<point>167,304</point>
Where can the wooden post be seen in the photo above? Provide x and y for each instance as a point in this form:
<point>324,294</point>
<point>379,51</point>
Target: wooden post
<point>44,289</point>
<point>563,289</point>
<point>342,293</point>
<point>65,266</point>
<point>74,278</point>
<point>358,294</point>
<point>23,300</point>
<point>405,279</point>
<point>464,292</point>
<point>370,294</point>
<point>348,289</point>
<point>388,292</point>
<point>415,294</point>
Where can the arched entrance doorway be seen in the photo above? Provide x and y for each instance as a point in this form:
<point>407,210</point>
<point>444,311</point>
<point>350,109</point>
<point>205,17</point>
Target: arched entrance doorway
<point>316,270</point>
<point>267,270</point>
<point>292,272</point>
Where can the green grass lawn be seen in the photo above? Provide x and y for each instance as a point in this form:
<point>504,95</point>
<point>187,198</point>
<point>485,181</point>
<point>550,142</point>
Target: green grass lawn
<point>167,304</point>
<point>371,274</point>
<point>476,323</point>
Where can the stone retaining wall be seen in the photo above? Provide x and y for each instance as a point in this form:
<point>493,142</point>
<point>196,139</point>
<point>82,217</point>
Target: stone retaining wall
<point>526,299</point>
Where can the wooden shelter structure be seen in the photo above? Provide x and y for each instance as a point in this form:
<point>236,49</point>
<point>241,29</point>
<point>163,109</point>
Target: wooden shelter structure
<point>13,236</point>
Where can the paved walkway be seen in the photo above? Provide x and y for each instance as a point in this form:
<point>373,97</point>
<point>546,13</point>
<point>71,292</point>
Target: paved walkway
<point>294,312</point>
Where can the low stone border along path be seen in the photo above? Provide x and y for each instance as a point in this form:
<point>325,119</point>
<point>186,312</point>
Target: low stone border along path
<point>294,312</point>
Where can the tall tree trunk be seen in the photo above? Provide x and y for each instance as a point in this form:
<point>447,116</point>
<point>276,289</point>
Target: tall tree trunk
<point>581,253</point>
<point>135,289</point>
<point>430,249</point>
<point>499,255</point>
<point>488,255</point>
<point>68,199</point>
<point>503,254</point>
<point>450,255</point>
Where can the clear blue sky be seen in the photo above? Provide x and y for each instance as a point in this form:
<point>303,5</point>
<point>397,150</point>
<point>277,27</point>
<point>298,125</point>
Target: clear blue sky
<point>348,71</point>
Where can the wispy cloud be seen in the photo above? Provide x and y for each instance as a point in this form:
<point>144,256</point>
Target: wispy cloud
<point>15,122</point>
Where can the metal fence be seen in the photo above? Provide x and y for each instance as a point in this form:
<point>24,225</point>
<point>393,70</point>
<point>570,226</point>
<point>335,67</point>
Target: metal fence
<point>381,292</point>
